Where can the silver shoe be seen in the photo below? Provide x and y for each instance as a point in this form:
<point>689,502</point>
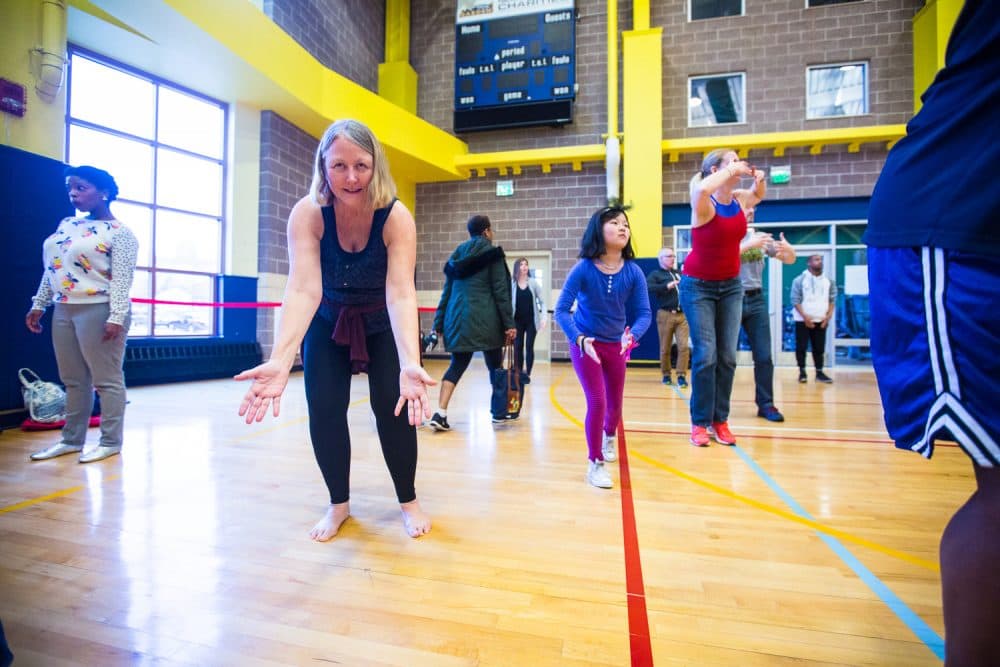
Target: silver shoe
<point>55,450</point>
<point>99,454</point>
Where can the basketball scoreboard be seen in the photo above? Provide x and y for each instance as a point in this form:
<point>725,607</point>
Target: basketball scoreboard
<point>515,63</point>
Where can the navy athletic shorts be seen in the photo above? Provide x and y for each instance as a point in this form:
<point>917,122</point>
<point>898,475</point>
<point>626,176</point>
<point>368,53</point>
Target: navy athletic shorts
<point>935,342</point>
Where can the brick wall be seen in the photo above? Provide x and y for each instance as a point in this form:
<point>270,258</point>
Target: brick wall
<point>286,155</point>
<point>348,36</point>
<point>546,212</point>
<point>433,57</point>
<point>773,44</point>
<point>833,173</point>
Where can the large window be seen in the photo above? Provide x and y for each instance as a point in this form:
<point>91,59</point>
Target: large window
<point>716,100</point>
<point>837,90</point>
<point>710,9</point>
<point>166,148</point>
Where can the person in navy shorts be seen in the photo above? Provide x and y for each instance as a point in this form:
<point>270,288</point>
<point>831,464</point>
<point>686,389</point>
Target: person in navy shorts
<point>934,275</point>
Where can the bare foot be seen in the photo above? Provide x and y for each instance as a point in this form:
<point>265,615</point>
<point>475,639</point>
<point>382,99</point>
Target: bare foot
<point>331,522</point>
<point>414,520</point>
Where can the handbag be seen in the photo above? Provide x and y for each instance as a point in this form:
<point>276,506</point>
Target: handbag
<point>507,389</point>
<point>44,401</point>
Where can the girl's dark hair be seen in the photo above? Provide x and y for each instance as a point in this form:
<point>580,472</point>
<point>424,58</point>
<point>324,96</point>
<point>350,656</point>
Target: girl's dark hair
<point>592,243</point>
<point>99,178</point>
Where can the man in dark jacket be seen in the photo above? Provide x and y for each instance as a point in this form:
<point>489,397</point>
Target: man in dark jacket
<point>475,312</point>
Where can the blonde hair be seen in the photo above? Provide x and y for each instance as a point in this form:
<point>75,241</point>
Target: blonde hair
<point>381,189</point>
<point>712,159</point>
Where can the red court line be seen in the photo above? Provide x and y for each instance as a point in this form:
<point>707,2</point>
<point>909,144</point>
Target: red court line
<point>211,304</point>
<point>751,436</point>
<point>232,304</point>
<point>638,621</point>
<point>671,397</point>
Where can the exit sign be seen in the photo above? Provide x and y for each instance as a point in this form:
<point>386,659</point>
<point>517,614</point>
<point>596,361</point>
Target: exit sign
<point>505,188</point>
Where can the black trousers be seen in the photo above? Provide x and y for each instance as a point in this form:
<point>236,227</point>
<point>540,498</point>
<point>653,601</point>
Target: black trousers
<point>328,392</point>
<point>816,337</point>
<point>524,346</point>
<point>460,362</point>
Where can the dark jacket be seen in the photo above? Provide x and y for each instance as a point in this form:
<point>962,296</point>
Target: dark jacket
<point>666,297</point>
<point>475,308</point>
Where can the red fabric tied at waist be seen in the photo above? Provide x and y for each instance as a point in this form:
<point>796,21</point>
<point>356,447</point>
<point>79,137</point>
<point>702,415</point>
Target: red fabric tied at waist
<point>349,330</point>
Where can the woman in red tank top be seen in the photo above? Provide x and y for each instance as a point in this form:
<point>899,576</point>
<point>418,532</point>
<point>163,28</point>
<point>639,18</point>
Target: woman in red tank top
<point>711,293</point>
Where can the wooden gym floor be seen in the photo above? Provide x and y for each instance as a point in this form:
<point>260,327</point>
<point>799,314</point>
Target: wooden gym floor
<point>812,542</point>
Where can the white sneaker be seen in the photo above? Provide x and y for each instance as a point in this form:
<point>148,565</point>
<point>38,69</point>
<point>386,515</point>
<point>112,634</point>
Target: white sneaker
<point>99,453</point>
<point>608,448</point>
<point>55,450</point>
<point>598,476</point>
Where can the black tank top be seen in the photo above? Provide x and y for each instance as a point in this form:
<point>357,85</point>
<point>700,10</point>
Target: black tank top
<point>355,278</point>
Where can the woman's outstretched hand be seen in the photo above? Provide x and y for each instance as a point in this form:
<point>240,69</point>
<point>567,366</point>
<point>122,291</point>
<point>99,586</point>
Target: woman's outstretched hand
<point>413,383</point>
<point>269,380</point>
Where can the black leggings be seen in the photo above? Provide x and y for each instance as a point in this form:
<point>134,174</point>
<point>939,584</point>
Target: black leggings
<point>328,392</point>
<point>525,355</point>
<point>460,361</point>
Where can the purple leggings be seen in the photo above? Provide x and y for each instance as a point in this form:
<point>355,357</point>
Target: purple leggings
<point>603,385</point>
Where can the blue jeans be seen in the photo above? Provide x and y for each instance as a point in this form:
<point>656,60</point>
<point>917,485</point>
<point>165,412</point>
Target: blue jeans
<point>756,322</point>
<point>713,309</point>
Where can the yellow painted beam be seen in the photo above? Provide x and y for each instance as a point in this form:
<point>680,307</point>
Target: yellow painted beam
<point>417,148</point>
<point>94,10</point>
<point>672,149</point>
<point>397,83</point>
<point>397,31</point>
<point>642,178</point>
<point>640,17</point>
<point>612,91</point>
<point>778,142</point>
<point>932,27</point>
<point>534,157</point>
<point>397,80</point>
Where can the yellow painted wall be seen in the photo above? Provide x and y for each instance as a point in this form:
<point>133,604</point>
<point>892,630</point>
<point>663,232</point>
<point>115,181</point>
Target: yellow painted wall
<point>41,130</point>
<point>931,29</point>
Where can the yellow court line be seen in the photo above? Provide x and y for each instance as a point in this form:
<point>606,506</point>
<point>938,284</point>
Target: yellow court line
<point>815,525</point>
<point>50,496</point>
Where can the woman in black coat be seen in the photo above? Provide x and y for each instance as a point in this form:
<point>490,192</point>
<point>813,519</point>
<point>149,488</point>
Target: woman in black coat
<point>475,312</point>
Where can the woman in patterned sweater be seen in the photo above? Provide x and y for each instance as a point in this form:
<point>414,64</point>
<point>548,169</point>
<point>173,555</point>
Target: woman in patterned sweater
<point>88,266</point>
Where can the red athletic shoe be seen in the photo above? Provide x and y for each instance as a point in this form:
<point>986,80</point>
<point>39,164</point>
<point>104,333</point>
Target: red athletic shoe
<point>720,431</point>
<point>699,436</point>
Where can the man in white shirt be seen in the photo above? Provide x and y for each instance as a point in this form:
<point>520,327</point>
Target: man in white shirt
<point>813,296</point>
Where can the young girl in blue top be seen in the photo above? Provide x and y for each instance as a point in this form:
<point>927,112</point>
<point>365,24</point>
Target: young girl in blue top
<point>607,287</point>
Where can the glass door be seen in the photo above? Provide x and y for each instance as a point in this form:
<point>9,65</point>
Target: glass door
<point>784,354</point>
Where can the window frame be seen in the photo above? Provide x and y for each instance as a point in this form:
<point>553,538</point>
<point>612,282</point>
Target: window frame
<point>867,85</point>
<point>809,5</point>
<point>743,92</point>
<point>156,144</point>
<point>691,19</point>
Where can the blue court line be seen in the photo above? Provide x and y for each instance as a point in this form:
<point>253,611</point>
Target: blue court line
<point>917,625</point>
